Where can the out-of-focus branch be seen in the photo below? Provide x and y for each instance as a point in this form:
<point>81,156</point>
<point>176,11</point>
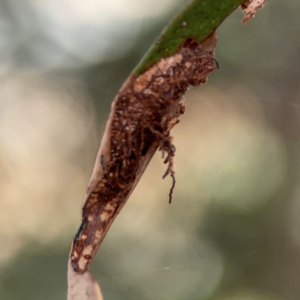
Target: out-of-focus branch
<point>82,286</point>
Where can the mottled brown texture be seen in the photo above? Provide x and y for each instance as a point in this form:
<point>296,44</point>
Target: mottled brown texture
<point>142,116</point>
<point>250,7</point>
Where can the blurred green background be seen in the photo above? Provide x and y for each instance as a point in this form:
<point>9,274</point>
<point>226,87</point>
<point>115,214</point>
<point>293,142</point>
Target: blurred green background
<point>232,231</point>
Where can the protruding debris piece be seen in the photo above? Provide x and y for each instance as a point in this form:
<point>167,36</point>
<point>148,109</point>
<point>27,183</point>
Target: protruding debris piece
<point>250,7</point>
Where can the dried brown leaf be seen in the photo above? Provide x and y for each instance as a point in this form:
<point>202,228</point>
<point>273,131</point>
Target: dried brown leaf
<point>143,113</point>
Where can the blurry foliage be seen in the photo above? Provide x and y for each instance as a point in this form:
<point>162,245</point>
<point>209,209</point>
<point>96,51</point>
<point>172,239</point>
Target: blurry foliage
<point>232,231</point>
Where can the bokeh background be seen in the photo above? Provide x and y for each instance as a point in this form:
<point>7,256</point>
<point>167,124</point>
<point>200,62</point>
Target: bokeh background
<point>233,229</point>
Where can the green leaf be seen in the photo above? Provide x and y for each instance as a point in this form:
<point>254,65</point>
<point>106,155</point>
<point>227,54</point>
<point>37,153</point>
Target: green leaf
<point>197,21</point>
